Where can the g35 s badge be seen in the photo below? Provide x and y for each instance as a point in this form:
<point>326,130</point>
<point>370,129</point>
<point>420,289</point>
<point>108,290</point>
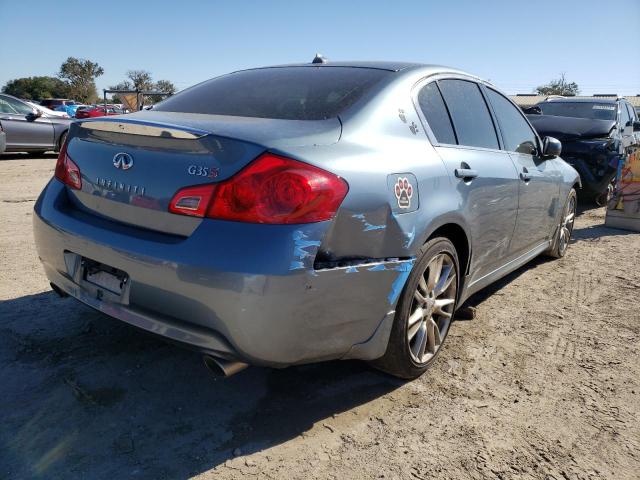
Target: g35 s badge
<point>200,171</point>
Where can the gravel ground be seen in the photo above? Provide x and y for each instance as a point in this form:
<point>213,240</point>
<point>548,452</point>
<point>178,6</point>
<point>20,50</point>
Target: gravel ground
<point>544,383</point>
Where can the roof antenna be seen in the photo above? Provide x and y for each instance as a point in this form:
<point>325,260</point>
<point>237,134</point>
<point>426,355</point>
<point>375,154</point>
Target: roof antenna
<point>319,59</point>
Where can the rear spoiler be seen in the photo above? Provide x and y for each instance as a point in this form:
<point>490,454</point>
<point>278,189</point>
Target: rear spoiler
<point>147,129</point>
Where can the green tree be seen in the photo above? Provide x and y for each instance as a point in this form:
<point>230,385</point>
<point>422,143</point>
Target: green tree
<point>559,86</point>
<point>37,88</point>
<point>125,85</point>
<point>80,74</point>
<point>165,86</point>
<point>141,79</point>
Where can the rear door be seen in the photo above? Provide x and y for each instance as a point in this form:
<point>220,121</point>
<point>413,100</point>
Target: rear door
<point>463,134</point>
<point>539,185</point>
<point>23,131</point>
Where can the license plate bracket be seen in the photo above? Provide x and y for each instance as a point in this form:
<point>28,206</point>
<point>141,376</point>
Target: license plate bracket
<point>104,276</point>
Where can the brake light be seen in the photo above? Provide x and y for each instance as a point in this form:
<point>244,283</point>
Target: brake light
<point>271,189</point>
<point>67,171</point>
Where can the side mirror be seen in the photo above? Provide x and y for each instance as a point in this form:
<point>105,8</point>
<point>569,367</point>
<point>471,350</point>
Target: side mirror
<point>551,147</point>
<point>35,114</point>
<point>636,126</point>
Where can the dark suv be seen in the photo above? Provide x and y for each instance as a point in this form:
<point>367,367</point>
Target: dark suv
<point>596,134</point>
<point>52,103</point>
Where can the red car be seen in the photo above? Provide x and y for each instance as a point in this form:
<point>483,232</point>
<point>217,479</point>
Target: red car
<point>98,112</point>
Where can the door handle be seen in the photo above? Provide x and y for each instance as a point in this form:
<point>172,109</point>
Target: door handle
<point>525,176</point>
<point>465,173</point>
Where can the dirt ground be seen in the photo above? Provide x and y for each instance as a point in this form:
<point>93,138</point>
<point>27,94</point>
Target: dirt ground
<point>544,383</point>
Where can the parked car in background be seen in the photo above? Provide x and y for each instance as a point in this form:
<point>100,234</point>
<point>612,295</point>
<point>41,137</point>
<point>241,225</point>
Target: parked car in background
<point>287,215</point>
<point>46,110</point>
<point>29,129</point>
<point>69,109</point>
<point>596,134</point>
<point>52,103</point>
<point>98,111</point>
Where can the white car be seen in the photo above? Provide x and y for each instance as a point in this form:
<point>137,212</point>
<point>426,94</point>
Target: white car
<point>48,111</point>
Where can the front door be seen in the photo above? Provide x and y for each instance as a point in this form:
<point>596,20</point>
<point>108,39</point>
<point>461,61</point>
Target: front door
<point>539,179</point>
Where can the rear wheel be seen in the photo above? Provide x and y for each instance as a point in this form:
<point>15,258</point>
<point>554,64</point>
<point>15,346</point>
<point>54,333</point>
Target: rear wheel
<point>63,138</point>
<point>565,228</point>
<point>424,313</point>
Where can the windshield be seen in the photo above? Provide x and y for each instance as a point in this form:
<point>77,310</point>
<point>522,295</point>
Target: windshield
<point>289,93</point>
<point>594,111</point>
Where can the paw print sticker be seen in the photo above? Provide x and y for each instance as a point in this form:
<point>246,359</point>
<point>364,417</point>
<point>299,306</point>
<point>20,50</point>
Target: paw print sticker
<point>404,192</point>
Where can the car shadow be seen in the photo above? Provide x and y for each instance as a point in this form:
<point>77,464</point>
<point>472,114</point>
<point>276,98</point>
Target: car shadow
<point>591,233</point>
<point>86,395</point>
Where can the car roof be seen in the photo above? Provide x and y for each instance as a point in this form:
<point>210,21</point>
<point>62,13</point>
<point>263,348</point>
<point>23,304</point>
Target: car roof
<point>391,66</point>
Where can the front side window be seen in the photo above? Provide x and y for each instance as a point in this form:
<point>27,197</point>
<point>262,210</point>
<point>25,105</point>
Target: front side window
<point>632,113</point>
<point>435,112</point>
<point>516,132</point>
<point>624,116</point>
<point>471,118</point>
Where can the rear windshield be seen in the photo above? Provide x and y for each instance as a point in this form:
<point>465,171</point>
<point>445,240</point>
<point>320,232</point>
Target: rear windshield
<point>594,111</point>
<point>288,93</point>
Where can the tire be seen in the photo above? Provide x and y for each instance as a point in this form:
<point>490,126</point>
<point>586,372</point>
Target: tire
<point>414,346</point>
<point>603,198</point>
<point>61,141</point>
<point>565,227</point>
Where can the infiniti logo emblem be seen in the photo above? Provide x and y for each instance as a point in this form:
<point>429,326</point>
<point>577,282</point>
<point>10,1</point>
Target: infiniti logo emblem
<point>122,161</point>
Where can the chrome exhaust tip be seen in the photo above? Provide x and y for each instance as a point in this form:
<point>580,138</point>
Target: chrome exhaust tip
<point>221,367</point>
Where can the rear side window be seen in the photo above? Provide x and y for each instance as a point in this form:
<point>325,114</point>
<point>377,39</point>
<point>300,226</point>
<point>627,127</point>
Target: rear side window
<point>18,106</point>
<point>516,132</point>
<point>5,107</point>
<point>435,112</point>
<point>289,93</point>
<point>469,113</point>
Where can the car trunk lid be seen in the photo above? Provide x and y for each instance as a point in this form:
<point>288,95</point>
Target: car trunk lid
<point>132,166</point>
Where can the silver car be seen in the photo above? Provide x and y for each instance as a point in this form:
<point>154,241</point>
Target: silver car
<point>294,214</point>
<point>29,129</point>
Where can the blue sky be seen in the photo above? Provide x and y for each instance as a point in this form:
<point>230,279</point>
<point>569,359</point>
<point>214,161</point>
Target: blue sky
<point>516,44</point>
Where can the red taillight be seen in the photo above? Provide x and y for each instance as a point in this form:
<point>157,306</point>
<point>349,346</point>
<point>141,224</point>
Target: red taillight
<point>272,189</point>
<point>67,171</point>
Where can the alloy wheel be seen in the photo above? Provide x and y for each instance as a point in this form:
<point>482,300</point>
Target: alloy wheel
<point>566,227</point>
<point>432,308</point>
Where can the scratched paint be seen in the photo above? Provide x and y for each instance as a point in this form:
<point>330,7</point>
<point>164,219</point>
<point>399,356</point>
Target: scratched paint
<point>377,268</point>
<point>410,237</point>
<point>401,279</point>
<point>368,226</point>
<point>301,244</point>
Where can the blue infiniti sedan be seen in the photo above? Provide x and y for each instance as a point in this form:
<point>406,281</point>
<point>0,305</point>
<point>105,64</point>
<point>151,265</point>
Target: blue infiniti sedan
<point>293,214</point>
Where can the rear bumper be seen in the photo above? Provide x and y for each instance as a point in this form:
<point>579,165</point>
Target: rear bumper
<point>241,291</point>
